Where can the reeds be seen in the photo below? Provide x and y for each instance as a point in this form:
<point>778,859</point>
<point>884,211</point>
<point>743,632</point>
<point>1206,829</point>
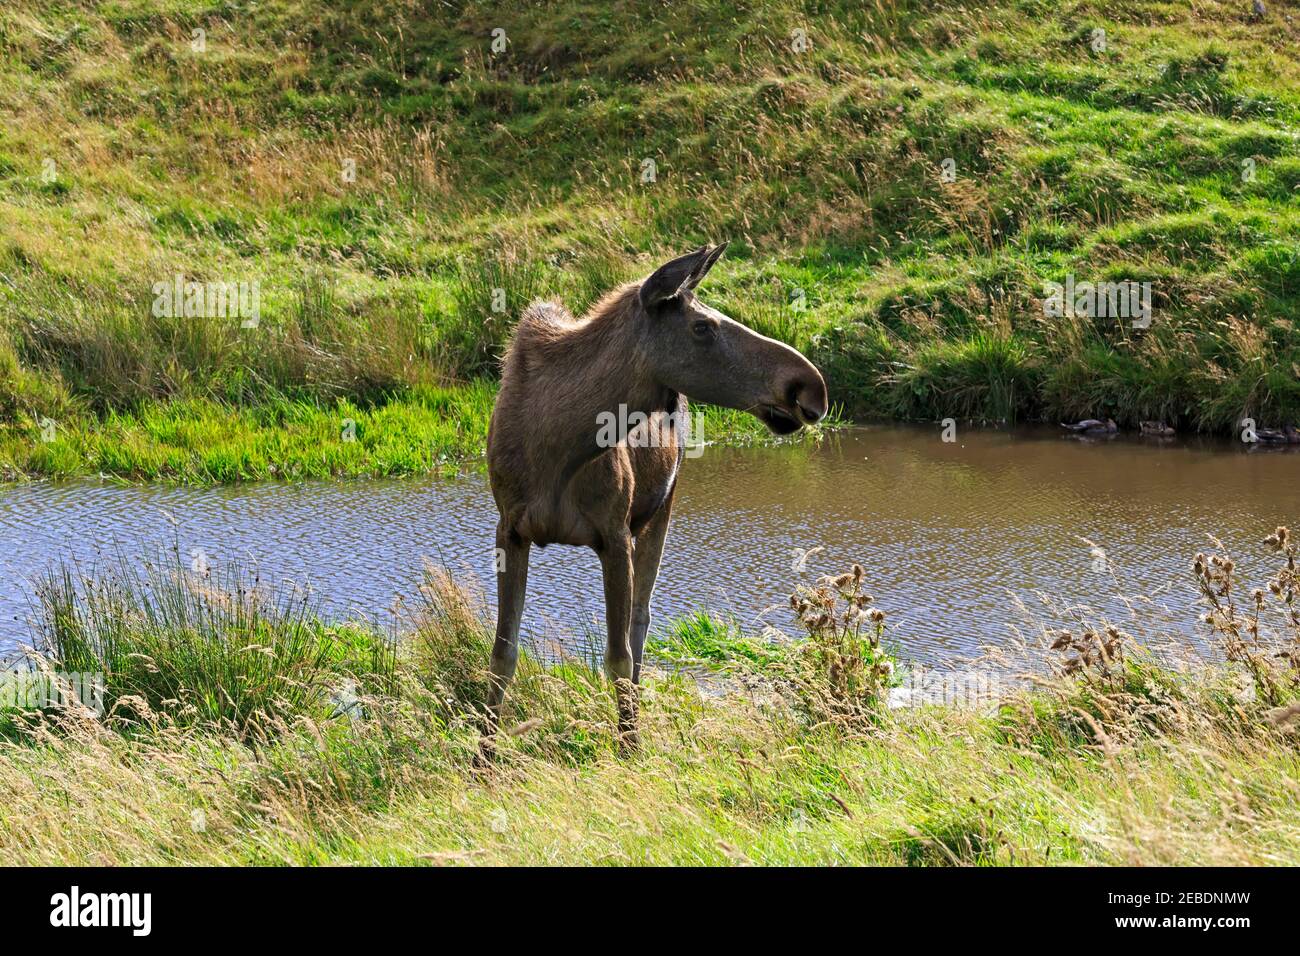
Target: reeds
<point>186,646</point>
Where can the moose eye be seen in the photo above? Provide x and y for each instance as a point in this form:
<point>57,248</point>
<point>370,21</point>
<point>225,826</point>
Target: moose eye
<point>701,329</point>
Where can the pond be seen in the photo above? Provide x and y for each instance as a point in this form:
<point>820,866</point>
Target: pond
<point>963,541</point>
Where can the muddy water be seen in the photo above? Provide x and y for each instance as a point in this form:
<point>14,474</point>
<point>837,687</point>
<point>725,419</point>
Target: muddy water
<point>964,542</point>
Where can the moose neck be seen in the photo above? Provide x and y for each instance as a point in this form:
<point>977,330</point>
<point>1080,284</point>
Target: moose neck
<point>605,370</point>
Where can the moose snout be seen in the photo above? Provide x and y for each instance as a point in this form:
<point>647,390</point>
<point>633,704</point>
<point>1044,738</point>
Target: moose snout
<point>806,395</point>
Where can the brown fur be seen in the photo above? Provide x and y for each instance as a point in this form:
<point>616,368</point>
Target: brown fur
<point>579,368</point>
<point>643,346</point>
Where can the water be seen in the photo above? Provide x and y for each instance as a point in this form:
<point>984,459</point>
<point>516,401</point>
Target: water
<point>953,534</point>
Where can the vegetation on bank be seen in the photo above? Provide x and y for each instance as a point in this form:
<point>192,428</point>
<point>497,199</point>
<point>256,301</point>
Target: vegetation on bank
<point>429,429</point>
<point>380,172</point>
<point>327,743</point>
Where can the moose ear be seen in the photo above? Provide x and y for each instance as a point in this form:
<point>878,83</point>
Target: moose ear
<point>698,275</point>
<point>671,277</point>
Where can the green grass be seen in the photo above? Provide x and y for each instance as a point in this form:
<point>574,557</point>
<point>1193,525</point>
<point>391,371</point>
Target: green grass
<point>1168,766</point>
<point>1169,156</point>
<point>430,429</point>
<point>715,643</point>
<point>198,440</point>
<point>183,644</point>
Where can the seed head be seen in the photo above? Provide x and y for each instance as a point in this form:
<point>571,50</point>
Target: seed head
<point>1279,539</point>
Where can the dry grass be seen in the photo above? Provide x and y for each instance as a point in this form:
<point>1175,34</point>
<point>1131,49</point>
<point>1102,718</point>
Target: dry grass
<point>1114,760</point>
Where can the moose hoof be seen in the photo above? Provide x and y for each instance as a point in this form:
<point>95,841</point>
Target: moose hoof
<point>629,740</point>
<point>487,753</point>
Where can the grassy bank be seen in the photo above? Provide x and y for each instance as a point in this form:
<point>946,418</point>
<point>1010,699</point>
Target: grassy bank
<point>330,744</point>
<point>427,430</point>
<point>379,171</point>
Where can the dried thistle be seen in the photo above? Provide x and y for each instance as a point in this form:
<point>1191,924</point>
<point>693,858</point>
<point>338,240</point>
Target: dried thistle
<point>1271,653</point>
<point>841,673</point>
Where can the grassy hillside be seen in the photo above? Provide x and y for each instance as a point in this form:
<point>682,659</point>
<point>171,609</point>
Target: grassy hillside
<point>379,171</point>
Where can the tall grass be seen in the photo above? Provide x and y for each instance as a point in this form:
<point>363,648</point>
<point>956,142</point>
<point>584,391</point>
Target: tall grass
<point>116,355</point>
<point>187,645</point>
<point>988,376</point>
<point>490,292</point>
<point>1115,756</point>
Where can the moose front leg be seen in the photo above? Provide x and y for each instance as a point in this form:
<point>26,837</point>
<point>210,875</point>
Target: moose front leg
<point>616,565</point>
<point>645,562</point>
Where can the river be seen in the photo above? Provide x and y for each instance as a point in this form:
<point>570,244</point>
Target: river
<point>966,543</point>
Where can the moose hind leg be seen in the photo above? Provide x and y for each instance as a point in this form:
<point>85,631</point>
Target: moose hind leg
<point>616,566</point>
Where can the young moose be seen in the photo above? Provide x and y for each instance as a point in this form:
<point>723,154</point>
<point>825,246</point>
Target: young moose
<point>643,349</point>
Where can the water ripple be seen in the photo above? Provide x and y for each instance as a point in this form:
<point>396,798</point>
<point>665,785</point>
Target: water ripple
<point>951,534</point>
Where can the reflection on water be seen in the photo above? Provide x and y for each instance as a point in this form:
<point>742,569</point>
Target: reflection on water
<point>952,534</point>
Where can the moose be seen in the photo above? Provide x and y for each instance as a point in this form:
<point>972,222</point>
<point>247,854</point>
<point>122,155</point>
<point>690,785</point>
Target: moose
<point>643,349</point>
